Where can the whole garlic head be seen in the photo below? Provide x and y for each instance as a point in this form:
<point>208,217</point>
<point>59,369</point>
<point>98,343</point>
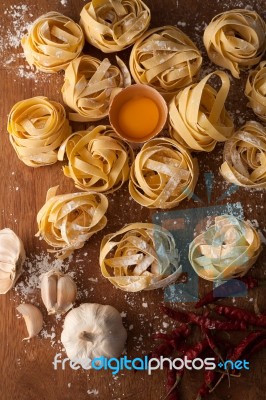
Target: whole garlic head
<point>93,330</point>
<point>12,258</point>
<point>58,292</point>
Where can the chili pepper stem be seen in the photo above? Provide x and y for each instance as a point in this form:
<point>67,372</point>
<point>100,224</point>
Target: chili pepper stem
<point>232,375</point>
<point>217,383</point>
<point>178,378</point>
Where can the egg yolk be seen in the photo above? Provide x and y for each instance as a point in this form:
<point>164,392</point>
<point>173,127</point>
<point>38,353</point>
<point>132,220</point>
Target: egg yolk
<point>138,117</point>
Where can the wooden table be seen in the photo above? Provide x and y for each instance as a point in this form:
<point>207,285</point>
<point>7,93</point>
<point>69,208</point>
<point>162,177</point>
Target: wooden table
<point>26,367</point>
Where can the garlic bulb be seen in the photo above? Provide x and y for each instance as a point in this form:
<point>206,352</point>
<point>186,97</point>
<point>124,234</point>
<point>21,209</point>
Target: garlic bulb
<point>93,330</point>
<point>58,292</point>
<point>33,319</point>
<point>12,258</point>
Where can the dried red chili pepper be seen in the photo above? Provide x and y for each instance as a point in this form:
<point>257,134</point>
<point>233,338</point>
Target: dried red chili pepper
<point>210,379</point>
<point>191,353</point>
<point>246,345</point>
<point>196,349</point>
<point>213,346</point>
<point>259,346</point>
<point>171,385</point>
<point>175,336</point>
<point>205,322</point>
<point>164,349</point>
<point>238,314</point>
<point>230,288</point>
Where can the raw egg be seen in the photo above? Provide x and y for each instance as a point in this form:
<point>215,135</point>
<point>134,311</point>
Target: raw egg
<point>138,113</point>
<point>138,117</point>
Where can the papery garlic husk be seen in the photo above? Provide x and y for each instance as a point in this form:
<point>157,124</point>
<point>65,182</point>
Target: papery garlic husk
<point>93,330</point>
<point>58,292</point>
<point>12,258</point>
<point>33,319</point>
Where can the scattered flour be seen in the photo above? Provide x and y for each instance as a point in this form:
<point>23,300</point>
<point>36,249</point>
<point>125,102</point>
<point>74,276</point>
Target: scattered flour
<point>11,35</point>
<point>34,267</point>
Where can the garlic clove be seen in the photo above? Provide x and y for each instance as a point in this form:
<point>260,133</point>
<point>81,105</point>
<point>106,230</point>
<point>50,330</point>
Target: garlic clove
<point>12,257</point>
<point>33,319</point>
<point>58,291</point>
<point>66,294</point>
<point>5,284</point>
<point>49,292</point>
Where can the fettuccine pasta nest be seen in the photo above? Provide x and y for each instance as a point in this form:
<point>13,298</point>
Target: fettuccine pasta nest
<point>245,157</point>
<point>98,160</point>
<point>89,86</point>
<point>140,256</point>
<point>226,250</point>
<point>166,59</point>
<point>256,90</point>
<point>37,127</point>
<point>235,40</point>
<point>198,118</point>
<point>52,42</point>
<point>67,221</point>
<point>163,174</point>
<point>114,25</point>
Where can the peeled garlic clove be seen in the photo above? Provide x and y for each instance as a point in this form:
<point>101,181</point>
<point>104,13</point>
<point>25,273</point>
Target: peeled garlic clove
<point>66,293</point>
<point>33,319</point>
<point>12,258</point>
<point>58,291</point>
<point>49,292</point>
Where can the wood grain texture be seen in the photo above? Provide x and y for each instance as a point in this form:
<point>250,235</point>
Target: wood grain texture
<point>26,370</point>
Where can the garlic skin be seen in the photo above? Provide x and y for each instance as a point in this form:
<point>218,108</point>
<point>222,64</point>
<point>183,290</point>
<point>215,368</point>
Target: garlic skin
<point>93,330</point>
<point>58,292</point>
<point>12,258</point>
<point>33,319</point>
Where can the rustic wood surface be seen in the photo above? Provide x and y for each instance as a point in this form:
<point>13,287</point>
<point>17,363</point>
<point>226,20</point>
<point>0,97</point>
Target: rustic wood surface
<point>26,371</point>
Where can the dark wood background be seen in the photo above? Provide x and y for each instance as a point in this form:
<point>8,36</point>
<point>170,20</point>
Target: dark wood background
<point>26,370</point>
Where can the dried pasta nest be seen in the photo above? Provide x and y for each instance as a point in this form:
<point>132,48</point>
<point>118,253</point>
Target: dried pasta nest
<point>89,86</point>
<point>140,256</point>
<point>166,59</point>
<point>114,25</point>
<point>226,250</point>
<point>235,40</point>
<point>52,42</point>
<point>198,118</point>
<point>67,221</point>
<point>12,258</point>
<point>245,157</point>
<point>98,160</point>
<point>163,174</point>
<point>256,90</point>
<point>37,127</point>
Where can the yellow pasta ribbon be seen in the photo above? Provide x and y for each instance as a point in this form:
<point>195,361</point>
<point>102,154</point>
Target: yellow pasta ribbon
<point>67,221</point>
<point>37,127</point>
<point>52,42</point>
<point>166,59</point>
<point>226,250</point>
<point>235,40</point>
<point>198,118</point>
<point>98,160</point>
<point>245,157</point>
<point>163,174</point>
<point>256,90</point>
<point>89,86</point>
<point>140,256</point>
<point>114,25</point>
